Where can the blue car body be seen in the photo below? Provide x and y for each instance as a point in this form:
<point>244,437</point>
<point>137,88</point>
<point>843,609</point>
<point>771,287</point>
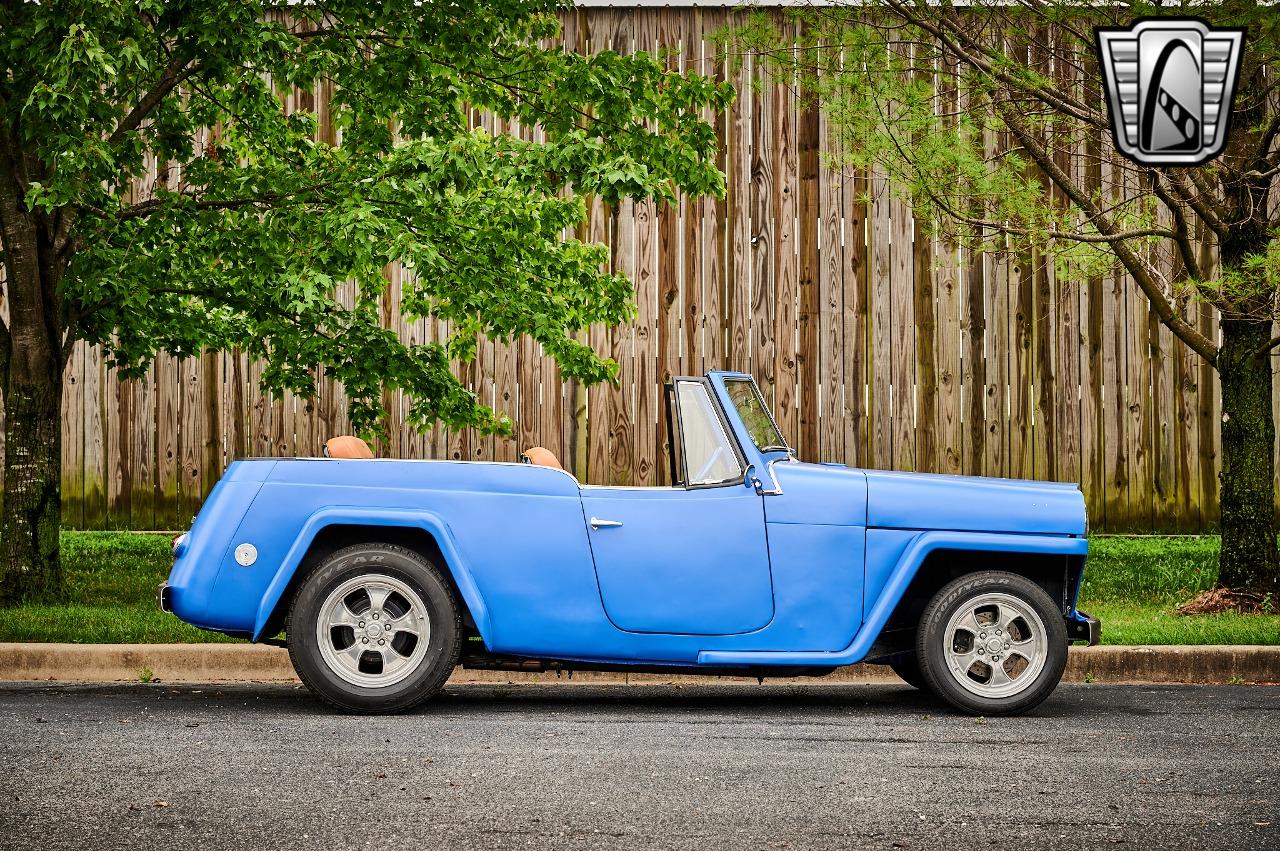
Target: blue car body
<point>789,565</point>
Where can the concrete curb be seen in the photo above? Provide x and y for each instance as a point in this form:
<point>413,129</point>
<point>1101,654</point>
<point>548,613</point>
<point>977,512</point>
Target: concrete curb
<point>210,663</point>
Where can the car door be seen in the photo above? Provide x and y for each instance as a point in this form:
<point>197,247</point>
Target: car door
<point>689,559</point>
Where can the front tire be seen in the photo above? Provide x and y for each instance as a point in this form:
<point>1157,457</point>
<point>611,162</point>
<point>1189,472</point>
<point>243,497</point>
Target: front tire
<point>992,643</point>
<point>375,629</point>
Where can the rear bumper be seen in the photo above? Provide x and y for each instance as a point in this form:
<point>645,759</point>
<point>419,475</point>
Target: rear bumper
<point>1083,626</point>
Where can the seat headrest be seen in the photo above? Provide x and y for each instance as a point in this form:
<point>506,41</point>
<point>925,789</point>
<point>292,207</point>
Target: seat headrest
<point>347,446</point>
<point>542,457</point>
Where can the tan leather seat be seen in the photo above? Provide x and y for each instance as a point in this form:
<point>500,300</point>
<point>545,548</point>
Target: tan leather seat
<point>347,446</point>
<point>542,457</point>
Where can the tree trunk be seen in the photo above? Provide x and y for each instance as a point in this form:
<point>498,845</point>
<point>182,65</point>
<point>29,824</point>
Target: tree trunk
<point>32,506</point>
<point>1249,560</point>
<point>32,389</point>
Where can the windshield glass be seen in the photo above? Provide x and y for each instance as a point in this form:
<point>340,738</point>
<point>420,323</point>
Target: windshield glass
<point>759,422</point>
<point>708,452</point>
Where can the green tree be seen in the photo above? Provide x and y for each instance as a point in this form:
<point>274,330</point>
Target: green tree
<point>156,195</point>
<point>978,115</point>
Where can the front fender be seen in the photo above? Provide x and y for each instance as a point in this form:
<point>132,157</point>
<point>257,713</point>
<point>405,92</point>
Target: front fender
<point>899,580</point>
<point>335,516</point>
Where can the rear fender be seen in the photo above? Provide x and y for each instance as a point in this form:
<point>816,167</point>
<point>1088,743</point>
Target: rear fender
<point>428,522</point>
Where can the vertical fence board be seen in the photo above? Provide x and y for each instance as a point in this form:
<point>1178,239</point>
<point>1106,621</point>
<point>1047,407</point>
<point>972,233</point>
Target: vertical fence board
<point>880,326</point>
<point>855,274</point>
<point>742,237</point>
<point>95,457</point>
<point>73,432</point>
<point>1114,395</point>
<point>785,263</point>
<point>137,439</point>
<point>1021,362</point>
<point>764,235</point>
<point>715,211</point>
<point>832,423</point>
<point>118,426</point>
<point>168,460</point>
<point>809,235</point>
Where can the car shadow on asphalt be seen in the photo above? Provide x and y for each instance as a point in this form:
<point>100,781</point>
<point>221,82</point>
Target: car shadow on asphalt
<point>599,700</point>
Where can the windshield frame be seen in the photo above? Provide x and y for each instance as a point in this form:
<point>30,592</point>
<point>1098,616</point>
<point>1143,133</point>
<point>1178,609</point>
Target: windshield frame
<point>781,445</point>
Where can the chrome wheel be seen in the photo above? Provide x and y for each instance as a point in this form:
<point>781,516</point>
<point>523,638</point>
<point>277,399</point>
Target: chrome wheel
<point>373,630</point>
<point>996,645</point>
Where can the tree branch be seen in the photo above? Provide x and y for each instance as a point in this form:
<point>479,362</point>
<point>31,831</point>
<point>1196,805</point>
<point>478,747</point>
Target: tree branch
<point>1264,349</point>
<point>1269,136</point>
<point>1050,233</point>
<point>1047,95</point>
<point>146,208</point>
<point>1209,198</point>
<point>1181,329</point>
<point>1204,211</point>
<point>174,73</point>
<point>1180,235</point>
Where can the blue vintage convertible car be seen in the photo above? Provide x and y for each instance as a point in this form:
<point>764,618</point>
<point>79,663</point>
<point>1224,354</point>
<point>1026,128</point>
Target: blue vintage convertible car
<point>383,574</point>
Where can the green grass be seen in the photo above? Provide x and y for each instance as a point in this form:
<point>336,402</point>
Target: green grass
<point>111,595</point>
<point>1132,584</point>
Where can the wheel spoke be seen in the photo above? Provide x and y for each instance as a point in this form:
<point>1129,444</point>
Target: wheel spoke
<point>1026,649</point>
<point>409,629</point>
<point>998,675</point>
<point>962,662</point>
<point>392,661</point>
<point>340,615</point>
<point>377,598</point>
<point>969,623</point>
<point>407,622</point>
<point>1006,615</point>
<point>353,653</point>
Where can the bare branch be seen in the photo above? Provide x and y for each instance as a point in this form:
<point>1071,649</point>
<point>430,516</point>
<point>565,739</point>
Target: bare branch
<point>1181,329</point>
<point>1261,175</point>
<point>1049,233</point>
<point>1208,197</point>
<point>1181,234</point>
<point>1269,136</point>
<point>1269,347</point>
<point>1208,213</point>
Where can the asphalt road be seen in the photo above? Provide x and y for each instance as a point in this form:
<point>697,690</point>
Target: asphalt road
<point>577,766</point>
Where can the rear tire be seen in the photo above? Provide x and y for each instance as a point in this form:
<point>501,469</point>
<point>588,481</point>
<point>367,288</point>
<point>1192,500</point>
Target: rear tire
<point>374,629</point>
<point>992,643</point>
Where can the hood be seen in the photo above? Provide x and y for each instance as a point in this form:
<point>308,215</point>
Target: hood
<point>973,504</point>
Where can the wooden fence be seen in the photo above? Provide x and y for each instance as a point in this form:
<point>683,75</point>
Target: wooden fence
<point>876,345</point>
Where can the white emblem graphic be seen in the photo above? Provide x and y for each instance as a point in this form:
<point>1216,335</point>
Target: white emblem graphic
<point>1169,87</point>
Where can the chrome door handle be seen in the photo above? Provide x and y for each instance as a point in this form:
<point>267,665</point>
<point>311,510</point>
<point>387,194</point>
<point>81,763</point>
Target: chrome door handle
<point>596,522</point>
